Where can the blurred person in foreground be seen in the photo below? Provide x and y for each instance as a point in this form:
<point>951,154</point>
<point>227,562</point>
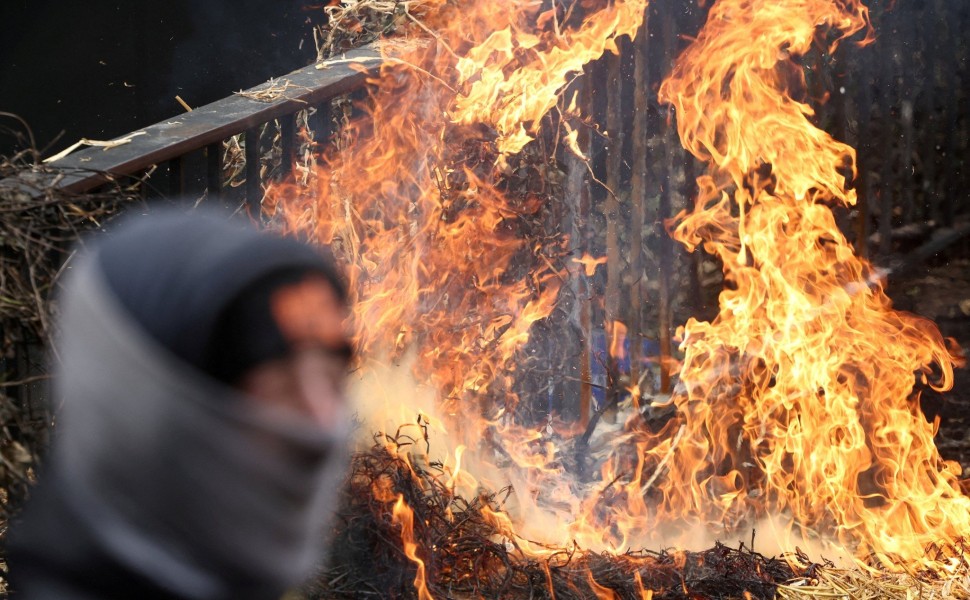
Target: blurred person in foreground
<point>202,440</point>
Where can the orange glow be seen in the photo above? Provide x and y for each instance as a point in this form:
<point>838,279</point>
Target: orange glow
<point>429,241</point>
<point>404,516</point>
<point>549,586</point>
<point>443,274</point>
<point>799,397</point>
<point>644,593</point>
<point>512,94</point>
<point>617,339</point>
<point>590,263</point>
<point>602,593</point>
<point>796,401</point>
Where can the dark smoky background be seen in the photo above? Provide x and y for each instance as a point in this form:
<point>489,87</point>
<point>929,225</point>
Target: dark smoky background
<point>99,69</point>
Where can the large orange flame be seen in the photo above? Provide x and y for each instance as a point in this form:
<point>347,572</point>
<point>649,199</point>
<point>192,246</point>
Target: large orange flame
<point>799,397</point>
<point>430,240</point>
<point>797,400</point>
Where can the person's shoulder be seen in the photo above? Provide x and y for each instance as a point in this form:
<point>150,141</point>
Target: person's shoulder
<point>53,555</point>
<point>53,589</point>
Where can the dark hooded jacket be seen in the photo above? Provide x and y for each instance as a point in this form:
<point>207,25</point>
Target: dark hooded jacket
<point>161,482</point>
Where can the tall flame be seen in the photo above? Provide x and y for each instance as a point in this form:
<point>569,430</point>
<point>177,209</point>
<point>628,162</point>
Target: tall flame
<point>798,399</point>
<point>800,395</point>
<point>412,200</point>
<point>507,92</point>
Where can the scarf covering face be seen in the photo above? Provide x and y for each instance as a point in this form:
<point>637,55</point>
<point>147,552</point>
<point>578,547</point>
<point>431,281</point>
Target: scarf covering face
<point>206,492</point>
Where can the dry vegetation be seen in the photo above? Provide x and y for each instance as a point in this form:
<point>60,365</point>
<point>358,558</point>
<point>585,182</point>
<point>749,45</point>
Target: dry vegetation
<point>39,225</point>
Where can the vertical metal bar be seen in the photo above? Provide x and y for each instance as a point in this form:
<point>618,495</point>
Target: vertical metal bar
<point>665,254</point>
<point>886,99</point>
<point>578,199</point>
<point>839,112</point>
<point>665,313</point>
<point>930,128</point>
<point>864,157</point>
<point>254,187</point>
<point>697,301</point>
<point>907,168</point>
<point>907,78</point>
<point>194,174</point>
<point>949,177</point>
<point>176,179</point>
<point>213,156</point>
<point>963,109</point>
<point>287,143</point>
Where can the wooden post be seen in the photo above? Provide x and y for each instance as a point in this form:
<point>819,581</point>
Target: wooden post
<point>578,198</point>
<point>664,256</point>
<point>614,165</point>
<point>638,195</point>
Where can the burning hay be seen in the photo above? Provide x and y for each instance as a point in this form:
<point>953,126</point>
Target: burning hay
<point>461,203</point>
<point>799,400</point>
<point>453,547</point>
<point>464,554</point>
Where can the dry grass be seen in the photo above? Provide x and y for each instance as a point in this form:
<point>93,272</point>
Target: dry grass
<point>271,91</point>
<point>353,23</point>
<point>39,225</point>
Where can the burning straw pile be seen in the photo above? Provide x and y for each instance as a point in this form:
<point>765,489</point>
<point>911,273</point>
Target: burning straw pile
<point>442,204</point>
<point>799,399</point>
<point>403,533</point>
<point>452,546</point>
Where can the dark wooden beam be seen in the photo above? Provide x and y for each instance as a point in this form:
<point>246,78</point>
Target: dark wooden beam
<point>213,123</point>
